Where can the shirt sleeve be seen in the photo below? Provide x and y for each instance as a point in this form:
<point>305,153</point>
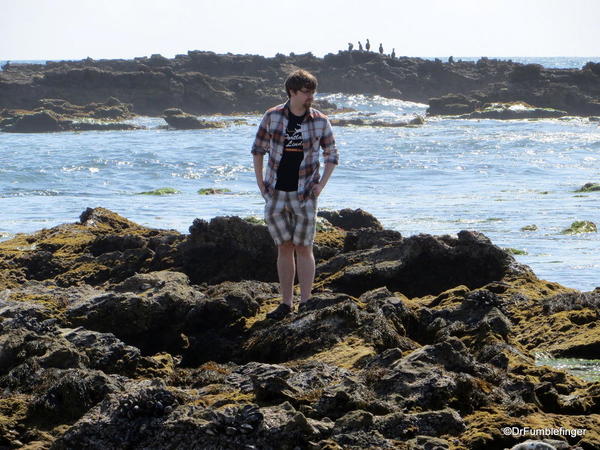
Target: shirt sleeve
<point>330,152</point>
<point>262,142</point>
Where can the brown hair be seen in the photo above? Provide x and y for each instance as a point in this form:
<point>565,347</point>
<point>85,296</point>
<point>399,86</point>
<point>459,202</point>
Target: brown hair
<point>299,79</point>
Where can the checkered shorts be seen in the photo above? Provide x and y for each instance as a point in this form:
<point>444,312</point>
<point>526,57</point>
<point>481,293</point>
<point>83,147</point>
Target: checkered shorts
<point>288,219</point>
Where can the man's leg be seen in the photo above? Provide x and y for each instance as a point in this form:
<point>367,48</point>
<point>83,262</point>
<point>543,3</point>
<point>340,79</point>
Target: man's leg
<point>277,217</point>
<point>304,233</point>
<point>286,271</point>
<point>306,270</point>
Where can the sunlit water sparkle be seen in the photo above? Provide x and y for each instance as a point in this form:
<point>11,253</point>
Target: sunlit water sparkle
<point>447,175</point>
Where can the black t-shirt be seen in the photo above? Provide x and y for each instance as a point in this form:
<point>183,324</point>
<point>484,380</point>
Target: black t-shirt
<point>293,154</point>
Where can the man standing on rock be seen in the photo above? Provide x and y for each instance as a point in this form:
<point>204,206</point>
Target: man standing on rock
<point>292,134</point>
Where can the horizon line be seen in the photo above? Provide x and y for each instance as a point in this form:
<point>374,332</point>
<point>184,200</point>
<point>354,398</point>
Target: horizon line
<point>295,54</point>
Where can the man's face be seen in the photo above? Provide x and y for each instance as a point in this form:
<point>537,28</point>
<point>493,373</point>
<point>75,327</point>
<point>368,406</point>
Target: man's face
<point>303,97</point>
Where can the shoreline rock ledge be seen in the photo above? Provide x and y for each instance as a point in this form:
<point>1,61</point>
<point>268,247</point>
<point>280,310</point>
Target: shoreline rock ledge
<point>202,82</point>
<point>115,335</point>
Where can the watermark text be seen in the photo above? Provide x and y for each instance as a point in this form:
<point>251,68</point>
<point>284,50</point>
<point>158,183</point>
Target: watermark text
<point>527,431</point>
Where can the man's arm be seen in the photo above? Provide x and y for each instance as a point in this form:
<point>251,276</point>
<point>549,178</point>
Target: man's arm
<point>261,146</point>
<point>330,155</point>
<point>257,160</point>
<point>317,188</point>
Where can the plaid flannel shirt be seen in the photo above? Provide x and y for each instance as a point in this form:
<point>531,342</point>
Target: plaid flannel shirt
<point>316,132</point>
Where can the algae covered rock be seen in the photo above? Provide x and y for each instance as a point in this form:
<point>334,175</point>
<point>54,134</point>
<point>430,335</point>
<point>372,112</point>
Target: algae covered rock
<point>581,226</point>
<point>348,219</point>
<point>576,315</point>
<point>180,120</point>
<point>589,187</point>
<point>111,109</point>
<point>103,246</point>
<point>161,191</point>
<point>515,251</point>
<point>529,228</point>
<point>212,191</point>
<point>330,319</point>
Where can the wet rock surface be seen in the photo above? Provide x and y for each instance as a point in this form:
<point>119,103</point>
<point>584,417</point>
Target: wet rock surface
<point>180,120</point>
<point>114,335</point>
<point>511,111</point>
<point>359,122</point>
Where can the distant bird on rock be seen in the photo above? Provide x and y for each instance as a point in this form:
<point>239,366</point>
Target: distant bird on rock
<point>360,49</point>
<point>368,45</point>
<point>380,49</point>
<point>393,55</point>
<point>350,46</point>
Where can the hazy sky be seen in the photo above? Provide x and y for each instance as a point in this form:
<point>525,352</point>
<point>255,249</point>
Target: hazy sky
<point>75,29</point>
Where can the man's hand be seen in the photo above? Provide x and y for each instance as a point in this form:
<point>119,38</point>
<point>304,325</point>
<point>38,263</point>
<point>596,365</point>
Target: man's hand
<point>316,189</point>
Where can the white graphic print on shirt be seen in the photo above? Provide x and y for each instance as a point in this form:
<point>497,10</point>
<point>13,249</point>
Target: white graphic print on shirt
<point>293,138</point>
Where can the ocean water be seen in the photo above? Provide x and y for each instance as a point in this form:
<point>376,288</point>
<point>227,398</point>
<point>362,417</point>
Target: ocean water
<point>556,62</point>
<point>445,176</point>
<point>587,369</point>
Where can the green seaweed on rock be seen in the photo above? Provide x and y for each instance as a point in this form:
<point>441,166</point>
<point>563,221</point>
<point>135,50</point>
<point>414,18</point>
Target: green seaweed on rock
<point>581,226</point>
<point>529,228</point>
<point>589,187</point>
<point>161,191</point>
<point>515,251</point>
<point>212,191</point>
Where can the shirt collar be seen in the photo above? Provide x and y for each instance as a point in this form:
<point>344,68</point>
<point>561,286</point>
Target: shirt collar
<point>310,114</point>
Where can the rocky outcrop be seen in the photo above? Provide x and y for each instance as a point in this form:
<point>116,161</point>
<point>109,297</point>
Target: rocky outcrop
<point>179,120</point>
<point>580,226</point>
<point>476,108</point>
<point>349,219</point>
<point>358,122</point>
<point>589,187</point>
<point>59,115</point>
<point>114,335</point>
<point>204,83</point>
<point>36,122</point>
<point>419,265</point>
<point>511,111</point>
<point>570,91</point>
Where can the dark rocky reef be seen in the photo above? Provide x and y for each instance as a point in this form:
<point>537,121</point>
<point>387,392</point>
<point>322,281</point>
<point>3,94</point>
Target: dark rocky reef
<point>52,115</point>
<point>511,111</point>
<point>114,335</point>
<point>180,120</point>
<point>547,92</point>
<point>358,122</point>
<point>204,82</point>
